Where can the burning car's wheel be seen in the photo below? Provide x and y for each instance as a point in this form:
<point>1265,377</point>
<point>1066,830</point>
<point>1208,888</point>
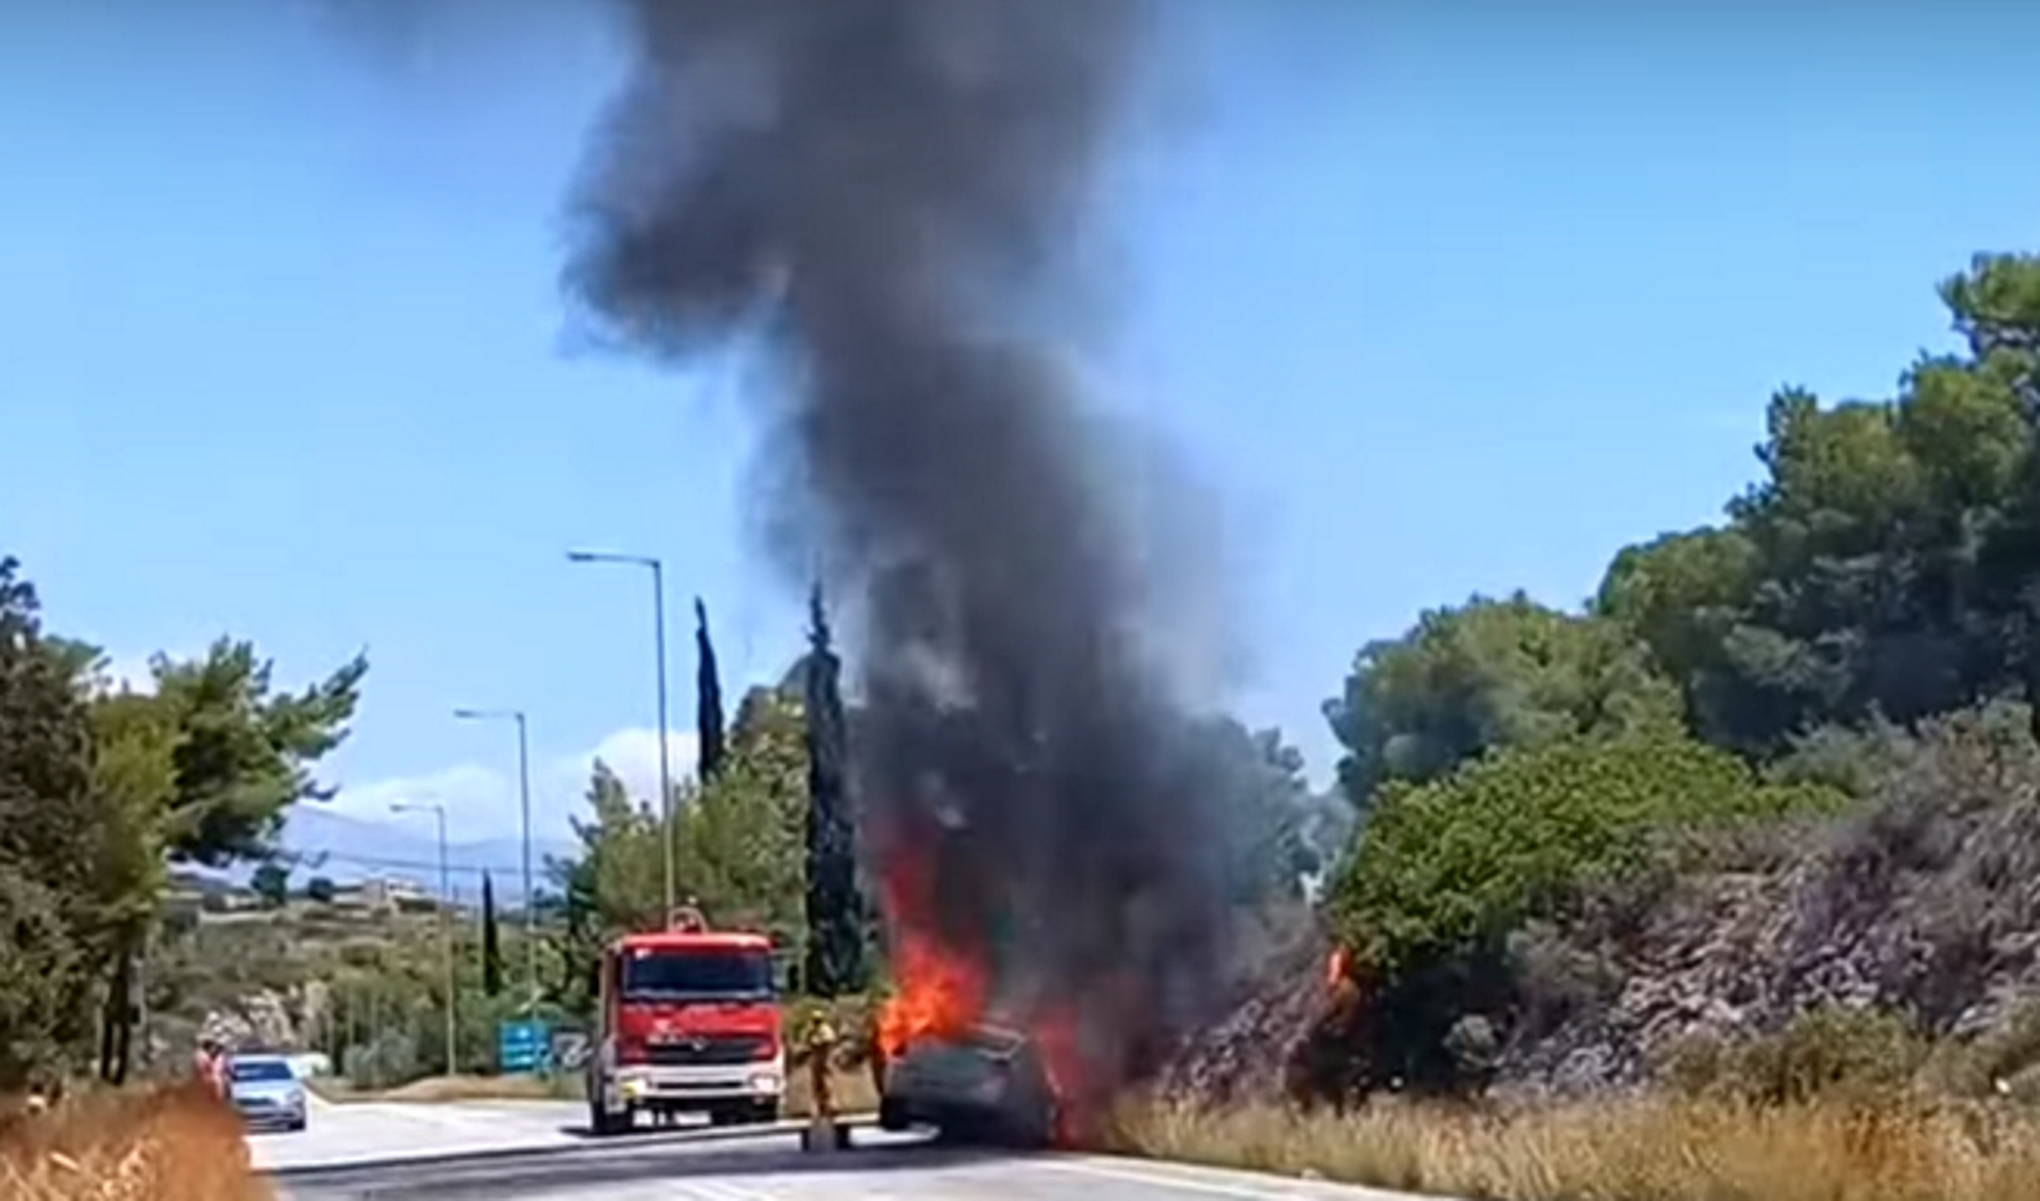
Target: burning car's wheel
<point>1035,1128</point>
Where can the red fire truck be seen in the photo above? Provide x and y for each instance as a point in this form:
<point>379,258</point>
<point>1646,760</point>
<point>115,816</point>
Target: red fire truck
<point>688,1021</point>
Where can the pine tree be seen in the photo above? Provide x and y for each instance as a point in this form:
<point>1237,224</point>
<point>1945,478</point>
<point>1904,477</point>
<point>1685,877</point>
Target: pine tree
<point>708,705</point>
<point>835,963</point>
<point>50,827</point>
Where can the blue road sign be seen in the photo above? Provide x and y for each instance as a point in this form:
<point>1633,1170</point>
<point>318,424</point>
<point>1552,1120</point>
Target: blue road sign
<point>523,1046</point>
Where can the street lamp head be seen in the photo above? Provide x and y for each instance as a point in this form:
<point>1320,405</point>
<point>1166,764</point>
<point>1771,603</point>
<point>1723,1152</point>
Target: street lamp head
<point>611,556</point>
<point>516,715</point>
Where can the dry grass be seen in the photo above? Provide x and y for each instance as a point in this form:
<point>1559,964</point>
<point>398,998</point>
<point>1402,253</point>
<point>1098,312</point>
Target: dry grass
<point>1658,1150</point>
<point>170,1144</point>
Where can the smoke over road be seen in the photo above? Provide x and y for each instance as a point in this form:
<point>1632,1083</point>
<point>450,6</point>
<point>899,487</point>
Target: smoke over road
<point>890,189</point>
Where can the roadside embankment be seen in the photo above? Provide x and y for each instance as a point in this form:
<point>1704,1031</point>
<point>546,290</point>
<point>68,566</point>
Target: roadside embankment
<point>158,1144</point>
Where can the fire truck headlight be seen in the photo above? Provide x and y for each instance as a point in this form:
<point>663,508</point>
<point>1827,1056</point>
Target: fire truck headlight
<point>633,1088</point>
<point>765,1082</point>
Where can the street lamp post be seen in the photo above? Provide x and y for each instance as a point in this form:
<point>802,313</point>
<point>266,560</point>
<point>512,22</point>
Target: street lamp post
<point>524,805</point>
<point>445,930</point>
<point>659,650</point>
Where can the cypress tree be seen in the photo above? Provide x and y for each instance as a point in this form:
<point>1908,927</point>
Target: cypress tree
<point>708,705</point>
<point>835,958</point>
<point>492,953</point>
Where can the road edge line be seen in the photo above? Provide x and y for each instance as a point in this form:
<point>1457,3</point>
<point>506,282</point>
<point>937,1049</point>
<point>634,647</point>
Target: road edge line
<point>582,1146</point>
<point>1222,1181</point>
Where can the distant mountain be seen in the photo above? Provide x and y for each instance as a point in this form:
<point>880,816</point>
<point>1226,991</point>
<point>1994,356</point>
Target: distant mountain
<point>346,849</point>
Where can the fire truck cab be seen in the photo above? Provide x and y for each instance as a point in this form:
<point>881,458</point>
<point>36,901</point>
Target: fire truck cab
<point>687,1021</point>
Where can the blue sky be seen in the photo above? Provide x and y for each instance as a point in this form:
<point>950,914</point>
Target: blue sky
<point>1442,298</point>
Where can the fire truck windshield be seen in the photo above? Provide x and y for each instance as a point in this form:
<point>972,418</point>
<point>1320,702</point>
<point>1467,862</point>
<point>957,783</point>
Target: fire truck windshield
<point>663,974</point>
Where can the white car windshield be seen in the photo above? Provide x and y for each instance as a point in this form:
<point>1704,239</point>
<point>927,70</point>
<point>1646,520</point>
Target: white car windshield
<point>261,1071</point>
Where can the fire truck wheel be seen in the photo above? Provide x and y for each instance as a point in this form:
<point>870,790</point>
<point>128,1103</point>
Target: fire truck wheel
<point>603,1123</point>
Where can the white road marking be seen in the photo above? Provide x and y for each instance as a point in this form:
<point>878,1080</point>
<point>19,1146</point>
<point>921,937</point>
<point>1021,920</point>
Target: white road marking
<point>720,1190</point>
<point>1213,1182</point>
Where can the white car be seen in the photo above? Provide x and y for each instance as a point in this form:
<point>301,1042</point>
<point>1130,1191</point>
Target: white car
<point>266,1092</point>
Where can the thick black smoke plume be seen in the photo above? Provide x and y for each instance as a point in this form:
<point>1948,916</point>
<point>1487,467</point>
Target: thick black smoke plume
<point>891,188</point>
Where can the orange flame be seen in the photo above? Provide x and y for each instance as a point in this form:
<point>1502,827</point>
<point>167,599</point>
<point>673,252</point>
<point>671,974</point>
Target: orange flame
<point>940,995</point>
<point>941,989</point>
<point>1339,968</point>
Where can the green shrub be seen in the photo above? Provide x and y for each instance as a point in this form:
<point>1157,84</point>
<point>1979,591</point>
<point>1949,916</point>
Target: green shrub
<point>1829,1054</point>
<point>2003,1060</point>
<point>1453,866</point>
<point>392,1059</point>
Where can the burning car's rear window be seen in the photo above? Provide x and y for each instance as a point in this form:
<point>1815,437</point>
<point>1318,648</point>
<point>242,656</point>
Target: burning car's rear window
<point>657,973</point>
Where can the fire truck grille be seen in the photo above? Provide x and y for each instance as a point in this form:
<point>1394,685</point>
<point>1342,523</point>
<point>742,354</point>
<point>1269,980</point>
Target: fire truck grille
<point>707,1050</point>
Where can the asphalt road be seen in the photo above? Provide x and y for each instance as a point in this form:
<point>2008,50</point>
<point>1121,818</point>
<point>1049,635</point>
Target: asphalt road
<point>392,1152</point>
<point>371,1131</point>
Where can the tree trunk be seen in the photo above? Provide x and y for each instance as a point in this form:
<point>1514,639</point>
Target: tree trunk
<point>123,1053</point>
<point>117,1016</point>
<point>107,1024</point>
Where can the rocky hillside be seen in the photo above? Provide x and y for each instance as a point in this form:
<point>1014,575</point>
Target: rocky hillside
<point>1921,902</point>
<point>1245,1054</point>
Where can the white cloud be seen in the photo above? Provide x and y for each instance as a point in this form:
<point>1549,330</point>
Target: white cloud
<point>633,754</point>
<point>481,801</point>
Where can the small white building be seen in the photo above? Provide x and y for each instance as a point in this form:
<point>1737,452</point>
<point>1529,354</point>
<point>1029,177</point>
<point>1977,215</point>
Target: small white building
<point>382,893</point>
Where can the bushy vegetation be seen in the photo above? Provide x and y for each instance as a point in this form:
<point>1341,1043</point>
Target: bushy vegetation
<point>1452,866</point>
<point>1486,675</point>
<point>103,789</point>
<point>1853,1056</point>
<point>1519,766</point>
<point>1452,869</point>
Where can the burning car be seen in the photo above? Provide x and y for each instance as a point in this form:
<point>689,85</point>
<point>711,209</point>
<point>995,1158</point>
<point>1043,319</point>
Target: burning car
<point>987,1083</point>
